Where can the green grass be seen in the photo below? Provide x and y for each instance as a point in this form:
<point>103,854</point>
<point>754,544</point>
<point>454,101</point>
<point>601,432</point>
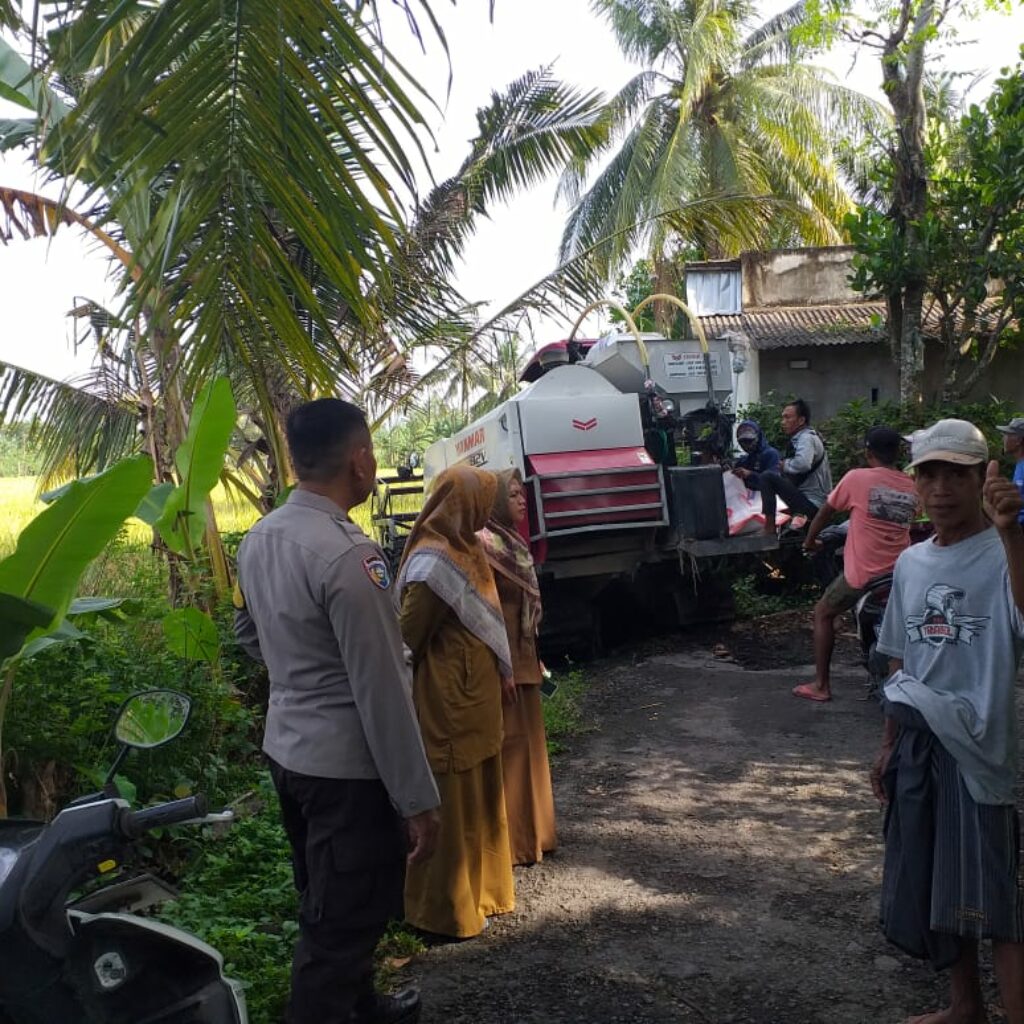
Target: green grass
<point>563,710</point>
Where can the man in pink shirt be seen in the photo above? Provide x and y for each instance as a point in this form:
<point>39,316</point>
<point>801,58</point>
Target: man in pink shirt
<point>882,502</point>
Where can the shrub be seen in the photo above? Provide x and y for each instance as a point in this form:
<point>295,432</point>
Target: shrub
<point>563,710</point>
<point>844,432</point>
<point>238,895</point>
<point>66,698</point>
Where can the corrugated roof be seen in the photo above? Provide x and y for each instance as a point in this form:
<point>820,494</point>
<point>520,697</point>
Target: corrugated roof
<point>846,323</point>
<point>852,323</point>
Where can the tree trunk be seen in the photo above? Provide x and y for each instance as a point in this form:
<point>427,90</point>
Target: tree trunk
<point>902,82</point>
<point>666,282</point>
<point>911,356</point>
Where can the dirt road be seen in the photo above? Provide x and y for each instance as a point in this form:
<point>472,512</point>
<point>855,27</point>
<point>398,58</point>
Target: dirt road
<point>720,858</point>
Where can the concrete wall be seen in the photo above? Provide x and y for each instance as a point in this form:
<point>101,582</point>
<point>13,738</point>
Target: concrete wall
<point>836,374</point>
<point>1004,379</point>
<point>797,277</point>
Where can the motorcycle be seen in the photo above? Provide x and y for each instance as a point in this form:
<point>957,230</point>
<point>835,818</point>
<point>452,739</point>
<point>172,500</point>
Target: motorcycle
<point>93,960</point>
<point>868,613</point>
<point>869,610</point>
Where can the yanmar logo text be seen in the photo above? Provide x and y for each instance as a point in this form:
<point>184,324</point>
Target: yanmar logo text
<point>585,424</point>
<point>470,441</point>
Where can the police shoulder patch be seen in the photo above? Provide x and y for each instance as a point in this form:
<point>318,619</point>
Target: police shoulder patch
<point>378,570</point>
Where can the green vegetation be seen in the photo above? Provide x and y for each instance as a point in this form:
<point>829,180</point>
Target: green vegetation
<point>563,710</point>
<point>17,456</point>
<point>252,280</point>
<point>238,895</point>
<point>844,432</point>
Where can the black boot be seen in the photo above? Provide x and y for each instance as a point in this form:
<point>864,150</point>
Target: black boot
<point>401,1008</point>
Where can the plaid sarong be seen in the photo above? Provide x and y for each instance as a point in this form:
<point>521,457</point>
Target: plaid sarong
<point>951,864</point>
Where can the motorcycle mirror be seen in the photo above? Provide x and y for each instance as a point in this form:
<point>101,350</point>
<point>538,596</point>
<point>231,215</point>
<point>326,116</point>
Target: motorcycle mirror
<point>151,719</point>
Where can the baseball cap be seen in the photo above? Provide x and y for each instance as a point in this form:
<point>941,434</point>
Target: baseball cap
<point>883,439</point>
<point>954,441</point>
<point>1015,426</point>
<point>746,430</point>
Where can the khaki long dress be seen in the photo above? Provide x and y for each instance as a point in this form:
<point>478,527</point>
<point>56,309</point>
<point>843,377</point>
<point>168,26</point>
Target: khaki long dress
<point>457,692</point>
<point>529,801</point>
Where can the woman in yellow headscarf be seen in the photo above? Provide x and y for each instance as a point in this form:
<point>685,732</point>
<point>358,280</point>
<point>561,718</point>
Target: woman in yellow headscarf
<point>524,755</point>
<point>452,623</point>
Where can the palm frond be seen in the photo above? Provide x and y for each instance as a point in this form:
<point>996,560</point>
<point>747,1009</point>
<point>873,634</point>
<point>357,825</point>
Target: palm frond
<point>79,428</point>
<point>774,40</point>
<point>247,118</point>
<point>619,117</point>
<point>530,131</point>
<point>639,26</point>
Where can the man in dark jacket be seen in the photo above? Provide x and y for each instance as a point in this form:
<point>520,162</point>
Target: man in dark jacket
<point>759,456</point>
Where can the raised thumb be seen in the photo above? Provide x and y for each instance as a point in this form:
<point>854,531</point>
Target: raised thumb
<point>993,470</point>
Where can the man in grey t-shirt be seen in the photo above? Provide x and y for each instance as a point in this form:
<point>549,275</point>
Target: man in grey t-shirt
<point>317,606</point>
<point>804,478</point>
<point>954,630</point>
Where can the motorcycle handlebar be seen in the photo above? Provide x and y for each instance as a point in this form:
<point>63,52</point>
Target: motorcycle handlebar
<point>135,823</point>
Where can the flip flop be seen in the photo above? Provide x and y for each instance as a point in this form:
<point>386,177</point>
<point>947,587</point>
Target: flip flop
<point>808,692</point>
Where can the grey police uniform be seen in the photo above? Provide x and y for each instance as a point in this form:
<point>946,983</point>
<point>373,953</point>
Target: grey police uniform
<point>318,607</point>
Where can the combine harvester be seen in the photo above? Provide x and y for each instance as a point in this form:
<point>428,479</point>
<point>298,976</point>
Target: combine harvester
<point>620,532</point>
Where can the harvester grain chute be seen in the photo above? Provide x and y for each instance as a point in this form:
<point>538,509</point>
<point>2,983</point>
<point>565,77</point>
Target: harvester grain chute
<point>620,442</point>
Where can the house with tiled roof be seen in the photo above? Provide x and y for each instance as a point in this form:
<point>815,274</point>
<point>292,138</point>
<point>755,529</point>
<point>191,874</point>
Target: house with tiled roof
<point>804,331</point>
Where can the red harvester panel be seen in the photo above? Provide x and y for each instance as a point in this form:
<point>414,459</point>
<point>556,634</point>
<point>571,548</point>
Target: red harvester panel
<point>599,487</point>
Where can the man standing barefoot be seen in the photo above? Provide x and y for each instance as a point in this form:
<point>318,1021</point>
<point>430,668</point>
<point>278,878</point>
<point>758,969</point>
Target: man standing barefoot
<point>954,629</point>
<point>882,502</point>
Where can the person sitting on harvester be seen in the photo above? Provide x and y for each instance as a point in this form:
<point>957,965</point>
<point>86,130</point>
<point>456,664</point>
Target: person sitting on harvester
<point>804,478</point>
<point>758,455</point>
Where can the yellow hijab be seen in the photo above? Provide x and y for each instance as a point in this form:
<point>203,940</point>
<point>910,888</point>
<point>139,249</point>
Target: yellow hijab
<point>444,552</point>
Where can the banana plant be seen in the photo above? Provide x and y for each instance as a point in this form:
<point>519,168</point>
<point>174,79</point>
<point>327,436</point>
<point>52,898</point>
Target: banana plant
<point>187,514</point>
<point>39,578</point>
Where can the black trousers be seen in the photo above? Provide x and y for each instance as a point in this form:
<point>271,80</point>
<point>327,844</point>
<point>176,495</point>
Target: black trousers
<point>348,854</point>
<point>773,484</point>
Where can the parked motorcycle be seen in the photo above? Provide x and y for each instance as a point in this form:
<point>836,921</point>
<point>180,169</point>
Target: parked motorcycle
<point>869,610</point>
<point>94,960</point>
<point>868,613</point>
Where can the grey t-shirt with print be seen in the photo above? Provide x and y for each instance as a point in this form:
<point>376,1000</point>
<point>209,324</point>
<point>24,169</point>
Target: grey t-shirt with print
<point>951,617</point>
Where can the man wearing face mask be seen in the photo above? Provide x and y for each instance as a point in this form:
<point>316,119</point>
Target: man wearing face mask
<point>758,455</point>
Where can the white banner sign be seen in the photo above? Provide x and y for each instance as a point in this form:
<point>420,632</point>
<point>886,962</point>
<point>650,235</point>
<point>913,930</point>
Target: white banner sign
<point>689,365</point>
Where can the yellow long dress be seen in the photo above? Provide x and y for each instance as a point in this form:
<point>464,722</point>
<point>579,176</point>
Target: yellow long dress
<point>457,692</point>
<point>529,802</point>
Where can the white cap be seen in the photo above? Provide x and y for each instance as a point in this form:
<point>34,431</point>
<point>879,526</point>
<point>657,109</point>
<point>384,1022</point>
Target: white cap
<point>954,441</point>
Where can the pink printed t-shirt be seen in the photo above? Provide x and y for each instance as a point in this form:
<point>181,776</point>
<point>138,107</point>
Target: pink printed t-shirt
<point>882,503</point>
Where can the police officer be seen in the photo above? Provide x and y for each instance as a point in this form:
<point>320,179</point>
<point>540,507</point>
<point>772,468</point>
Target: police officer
<point>357,795</point>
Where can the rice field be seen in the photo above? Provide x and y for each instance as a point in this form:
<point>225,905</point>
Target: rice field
<point>19,503</point>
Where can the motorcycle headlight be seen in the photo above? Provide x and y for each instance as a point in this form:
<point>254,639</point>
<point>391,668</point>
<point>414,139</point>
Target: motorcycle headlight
<point>7,861</point>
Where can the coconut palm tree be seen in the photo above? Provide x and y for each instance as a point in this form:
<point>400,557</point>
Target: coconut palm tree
<point>324,341</point>
<point>724,109</point>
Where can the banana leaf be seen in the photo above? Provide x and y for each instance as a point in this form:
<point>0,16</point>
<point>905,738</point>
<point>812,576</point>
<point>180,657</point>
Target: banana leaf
<point>151,508</point>
<point>18,618</point>
<point>113,609</point>
<point>63,634</point>
<point>54,549</point>
<point>21,85</point>
<point>191,634</point>
<point>199,461</point>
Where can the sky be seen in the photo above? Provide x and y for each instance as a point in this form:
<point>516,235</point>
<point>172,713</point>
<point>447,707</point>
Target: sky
<point>42,279</point>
